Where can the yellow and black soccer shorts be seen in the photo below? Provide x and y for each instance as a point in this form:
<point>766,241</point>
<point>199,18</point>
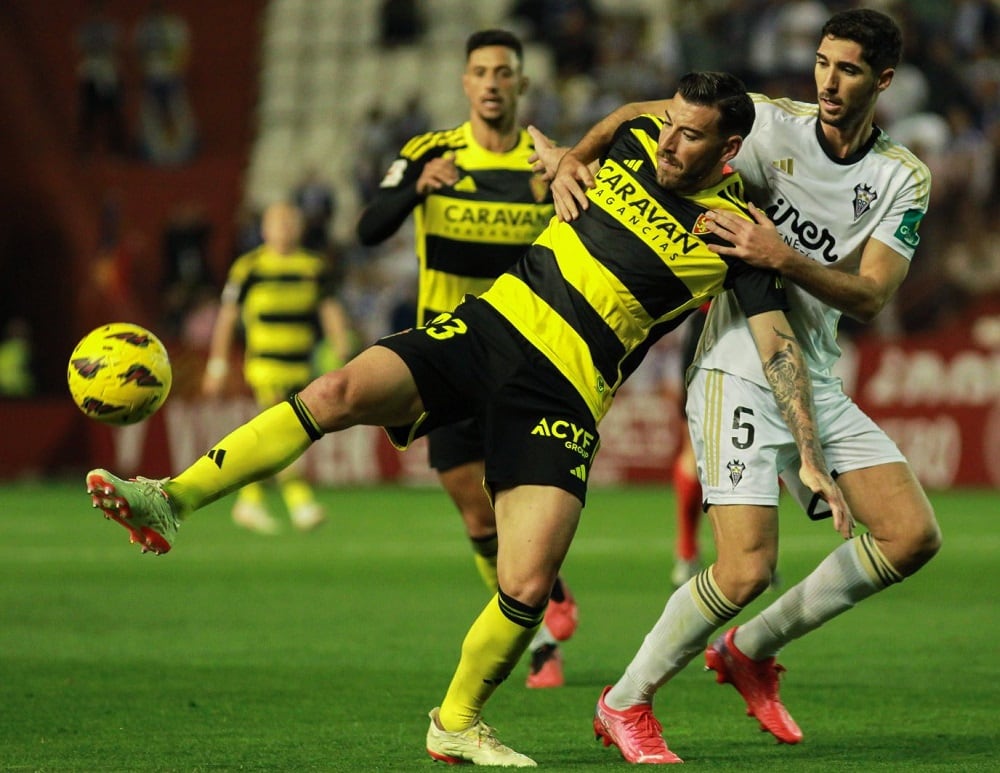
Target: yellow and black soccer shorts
<point>473,364</point>
<point>457,444</point>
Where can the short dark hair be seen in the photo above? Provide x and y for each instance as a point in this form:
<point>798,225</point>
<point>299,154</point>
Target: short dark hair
<point>726,93</point>
<point>879,37</point>
<point>503,38</point>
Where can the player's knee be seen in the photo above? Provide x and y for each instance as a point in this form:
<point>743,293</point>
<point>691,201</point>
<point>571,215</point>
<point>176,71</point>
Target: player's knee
<point>743,583</point>
<point>332,400</point>
<point>530,590</point>
<point>479,519</point>
<point>922,545</point>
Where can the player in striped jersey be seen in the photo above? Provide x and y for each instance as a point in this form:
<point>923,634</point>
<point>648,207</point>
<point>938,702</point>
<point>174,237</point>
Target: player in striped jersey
<point>283,296</point>
<point>537,359</point>
<point>840,204</point>
<point>477,205</point>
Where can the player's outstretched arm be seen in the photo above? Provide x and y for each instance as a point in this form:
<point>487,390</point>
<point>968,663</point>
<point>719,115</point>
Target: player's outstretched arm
<point>861,296</point>
<point>788,376</point>
<point>223,333</point>
<point>572,172</point>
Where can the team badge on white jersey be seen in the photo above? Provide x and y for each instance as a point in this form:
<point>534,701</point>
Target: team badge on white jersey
<point>864,195</point>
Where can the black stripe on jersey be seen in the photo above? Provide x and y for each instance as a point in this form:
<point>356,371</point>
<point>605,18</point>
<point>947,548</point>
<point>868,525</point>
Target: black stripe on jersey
<point>461,260</point>
<point>292,358</point>
<point>288,318</point>
<point>290,278</point>
<point>546,281</point>
<point>644,273</point>
<point>636,356</point>
<point>253,279</point>
<point>500,185</point>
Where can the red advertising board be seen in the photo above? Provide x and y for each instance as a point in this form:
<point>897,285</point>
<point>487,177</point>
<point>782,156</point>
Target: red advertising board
<point>937,395</point>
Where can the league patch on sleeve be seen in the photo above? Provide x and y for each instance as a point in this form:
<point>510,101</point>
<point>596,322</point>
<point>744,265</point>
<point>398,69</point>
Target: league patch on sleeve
<point>907,231</point>
<point>394,175</point>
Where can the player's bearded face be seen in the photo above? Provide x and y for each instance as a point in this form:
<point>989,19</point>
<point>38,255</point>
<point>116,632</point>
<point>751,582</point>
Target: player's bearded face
<point>689,148</point>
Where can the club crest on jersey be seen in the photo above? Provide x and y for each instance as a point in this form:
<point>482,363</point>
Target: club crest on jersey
<point>864,196</point>
<point>736,468</point>
<point>700,227</point>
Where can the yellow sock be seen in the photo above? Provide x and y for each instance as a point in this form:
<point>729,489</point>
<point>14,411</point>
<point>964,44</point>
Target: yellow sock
<point>253,493</point>
<point>491,649</point>
<point>485,555</point>
<point>258,449</point>
<point>296,492</point>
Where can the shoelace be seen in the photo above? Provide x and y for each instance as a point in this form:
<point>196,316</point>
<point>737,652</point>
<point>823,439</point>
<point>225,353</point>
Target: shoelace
<point>767,674</point>
<point>154,483</point>
<point>485,735</point>
<point>648,727</point>
<point>152,487</point>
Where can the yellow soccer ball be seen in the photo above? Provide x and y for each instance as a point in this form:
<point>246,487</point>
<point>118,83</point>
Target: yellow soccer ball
<point>119,374</point>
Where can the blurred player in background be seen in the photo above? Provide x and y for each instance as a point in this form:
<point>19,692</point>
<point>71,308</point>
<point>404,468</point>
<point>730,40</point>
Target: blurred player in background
<point>843,203</point>
<point>478,206</point>
<point>284,297</point>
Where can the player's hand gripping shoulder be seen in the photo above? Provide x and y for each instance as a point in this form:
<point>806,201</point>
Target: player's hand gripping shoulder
<point>788,377</point>
<point>758,242</point>
<point>438,173</point>
<point>861,295</point>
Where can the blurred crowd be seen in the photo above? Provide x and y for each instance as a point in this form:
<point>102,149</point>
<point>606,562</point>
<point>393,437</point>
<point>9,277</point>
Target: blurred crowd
<point>157,50</point>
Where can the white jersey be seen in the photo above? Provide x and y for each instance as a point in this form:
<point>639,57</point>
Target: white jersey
<point>825,207</point>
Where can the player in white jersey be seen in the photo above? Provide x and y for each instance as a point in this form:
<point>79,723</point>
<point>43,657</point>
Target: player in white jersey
<point>840,207</point>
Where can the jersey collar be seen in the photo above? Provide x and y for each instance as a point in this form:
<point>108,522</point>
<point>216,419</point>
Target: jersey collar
<point>854,157</point>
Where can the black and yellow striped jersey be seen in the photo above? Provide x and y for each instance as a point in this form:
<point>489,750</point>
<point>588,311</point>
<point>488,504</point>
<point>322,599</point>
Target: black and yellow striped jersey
<point>467,234</point>
<point>594,294</point>
<point>279,296</point>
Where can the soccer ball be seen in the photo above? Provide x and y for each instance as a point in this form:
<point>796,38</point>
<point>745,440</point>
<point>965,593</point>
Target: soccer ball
<point>119,374</point>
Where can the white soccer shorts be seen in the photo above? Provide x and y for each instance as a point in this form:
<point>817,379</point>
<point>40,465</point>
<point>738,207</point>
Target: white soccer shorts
<point>742,444</point>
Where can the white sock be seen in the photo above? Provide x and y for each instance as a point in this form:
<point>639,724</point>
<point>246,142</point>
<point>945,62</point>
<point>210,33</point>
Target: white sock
<point>851,573</point>
<point>691,614</point>
<point>542,637</point>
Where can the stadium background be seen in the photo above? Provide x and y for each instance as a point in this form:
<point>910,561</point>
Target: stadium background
<point>280,87</point>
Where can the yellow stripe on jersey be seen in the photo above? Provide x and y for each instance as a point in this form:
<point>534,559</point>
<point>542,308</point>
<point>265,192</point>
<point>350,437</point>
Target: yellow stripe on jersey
<point>701,270</point>
<point>440,291</point>
<point>422,143</point>
<point>483,222</point>
<point>623,313</point>
<point>552,336</point>
<point>787,105</point>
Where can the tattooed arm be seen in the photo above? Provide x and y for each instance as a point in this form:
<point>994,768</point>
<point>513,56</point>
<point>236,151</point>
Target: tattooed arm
<point>788,376</point>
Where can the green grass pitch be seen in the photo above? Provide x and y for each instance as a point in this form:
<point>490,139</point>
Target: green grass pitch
<point>324,652</point>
